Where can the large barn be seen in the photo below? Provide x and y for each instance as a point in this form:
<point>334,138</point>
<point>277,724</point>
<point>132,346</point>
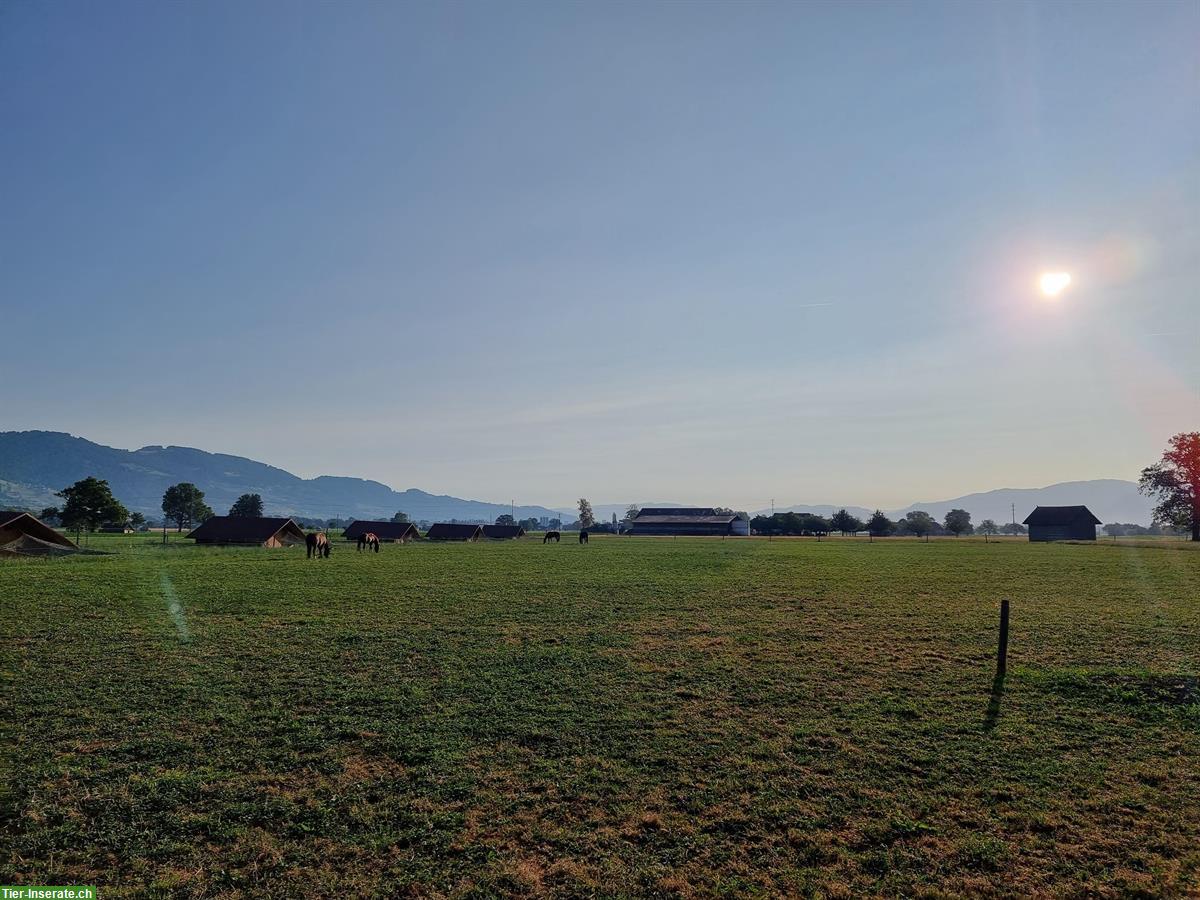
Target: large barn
<point>697,520</point>
<point>503,532</point>
<point>446,531</point>
<point>23,535</point>
<point>248,531</point>
<point>388,532</point>
<point>1062,523</point>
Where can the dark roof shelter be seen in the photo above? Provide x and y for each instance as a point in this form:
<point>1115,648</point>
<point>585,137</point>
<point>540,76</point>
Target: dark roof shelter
<point>23,535</point>
<point>503,532</point>
<point>1062,523</point>
<point>395,532</point>
<point>695,521</point>
<point>248,531</point>
<point>446,531</point>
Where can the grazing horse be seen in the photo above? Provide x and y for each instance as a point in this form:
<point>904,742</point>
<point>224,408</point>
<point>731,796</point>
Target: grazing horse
<point>551,536</point>
<point>369,540</point>
<point>583,536</point>
<point>317,544</point>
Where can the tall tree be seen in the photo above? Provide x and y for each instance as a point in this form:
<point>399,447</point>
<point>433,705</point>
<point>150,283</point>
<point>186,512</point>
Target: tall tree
<point>1175,482</point>
<point>920,523</point>
<point>247,506</point>
<point>90,503</point>
<point>137,520</point>
<point>554,524</point>
<point>184,504</point>
<point>958,522</point>
<point>49,515</point>
<point>505,519</point>
<point>586,518</point>
<point>401,518</point>
<point>879,525</point>
<point>631,513</point>
<point>987,528</point>
<point>845,523</point>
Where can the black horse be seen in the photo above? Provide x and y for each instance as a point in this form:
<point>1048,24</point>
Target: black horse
<point>317,544</point>
<point>551,536</point>
<point>583,537</point>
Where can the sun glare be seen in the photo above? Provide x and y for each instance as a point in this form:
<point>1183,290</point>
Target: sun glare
<point>1054,283</point>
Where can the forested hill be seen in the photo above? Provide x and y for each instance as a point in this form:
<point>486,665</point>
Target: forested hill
<point>35,464</point>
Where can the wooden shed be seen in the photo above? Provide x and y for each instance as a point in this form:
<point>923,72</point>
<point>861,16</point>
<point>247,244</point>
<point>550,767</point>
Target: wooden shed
<point>388,532</point>
<point>1062,523</point>
<point>447,531</point>
<point>503,532</point>
<point>23,535</point>
<point>250,532</point>
<point>700,520</point>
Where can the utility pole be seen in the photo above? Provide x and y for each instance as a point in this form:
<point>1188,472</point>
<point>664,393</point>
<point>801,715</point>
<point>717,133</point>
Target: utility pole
<point>771,533</point>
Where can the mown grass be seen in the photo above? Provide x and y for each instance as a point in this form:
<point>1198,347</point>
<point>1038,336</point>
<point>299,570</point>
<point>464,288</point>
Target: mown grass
<point>637,716</point>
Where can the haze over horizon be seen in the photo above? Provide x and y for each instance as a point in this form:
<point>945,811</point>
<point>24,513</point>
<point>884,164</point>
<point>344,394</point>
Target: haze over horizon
<point>524,252</point>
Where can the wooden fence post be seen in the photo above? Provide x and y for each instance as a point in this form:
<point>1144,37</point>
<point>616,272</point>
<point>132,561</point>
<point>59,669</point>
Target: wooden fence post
<point>1002,653</point>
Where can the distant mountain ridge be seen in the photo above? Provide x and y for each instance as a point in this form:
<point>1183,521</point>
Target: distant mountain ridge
<point>35,464</point>
<point>1112,499</point>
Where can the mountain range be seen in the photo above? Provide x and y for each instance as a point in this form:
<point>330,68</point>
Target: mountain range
<point>35,464</point>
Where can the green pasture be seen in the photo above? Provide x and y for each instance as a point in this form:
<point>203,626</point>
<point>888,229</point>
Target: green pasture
<point>637,716</point>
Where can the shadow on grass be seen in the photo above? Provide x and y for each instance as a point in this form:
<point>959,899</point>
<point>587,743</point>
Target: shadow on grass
<point>993,708</point>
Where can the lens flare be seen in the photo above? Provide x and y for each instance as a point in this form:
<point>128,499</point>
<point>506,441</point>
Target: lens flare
<point>1054,283</point>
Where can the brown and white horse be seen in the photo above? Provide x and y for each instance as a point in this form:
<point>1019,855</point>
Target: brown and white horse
<point>368,540</point>
<point>317,544</point>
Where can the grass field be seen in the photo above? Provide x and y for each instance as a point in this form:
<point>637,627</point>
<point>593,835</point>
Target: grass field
<point>636,716</point>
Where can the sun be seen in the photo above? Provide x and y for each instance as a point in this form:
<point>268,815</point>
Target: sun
<point>1054,283</point>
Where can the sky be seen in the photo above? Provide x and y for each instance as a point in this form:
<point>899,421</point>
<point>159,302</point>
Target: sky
<point>714,253</point>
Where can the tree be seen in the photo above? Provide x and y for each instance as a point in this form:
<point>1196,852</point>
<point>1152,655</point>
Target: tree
<point>90,503</point>
<point>401,518</point>
<point>248,506</point>
<point>631,513</point>
<point>879,525</point>
<point>1012,528</point>
<point>958,522</point>
<point>555,524</point>
<point>1175,481</point>
<point>49,515</point>
<point>505,519</point>
<point>184,504</point>
<point>137,520</point>
<point>987,528</point>
<point>845,523</point>
<point>920,523</point>
<point>586,517</point>
<point>529,524</point>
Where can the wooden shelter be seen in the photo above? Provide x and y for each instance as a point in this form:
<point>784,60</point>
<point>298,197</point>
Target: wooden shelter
<point>247,531</point>
<point>23,535</point>
<point>1062,523</point>
<point>453,531</point>
<point>503,532</point>
<point>700,520</point>
<point>387,532</point>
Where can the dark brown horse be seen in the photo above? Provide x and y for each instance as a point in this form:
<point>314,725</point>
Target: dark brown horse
<point>583,536</point>
<point>369,540</point>
<point>551,536</point>
<point>317,544</point>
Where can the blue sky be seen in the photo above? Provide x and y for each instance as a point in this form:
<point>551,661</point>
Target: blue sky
<point>695,251</point>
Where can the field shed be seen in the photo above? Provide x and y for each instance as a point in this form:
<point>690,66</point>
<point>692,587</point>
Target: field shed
<point>444,531</point>
<point>23,535</point>
<point>248,531</point>
<point>388,532</point>
<point>503,532</point>
<point>700,520</point>
<point>1062,523</point>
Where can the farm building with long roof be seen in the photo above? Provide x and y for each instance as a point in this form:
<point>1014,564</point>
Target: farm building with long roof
<point>23,535</point>
<point>1062,523</point>
<point>503,532</point>
<point>393,532</point>
<point>454,531</point>
<point>248,531</point>
<point>688,520</point>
